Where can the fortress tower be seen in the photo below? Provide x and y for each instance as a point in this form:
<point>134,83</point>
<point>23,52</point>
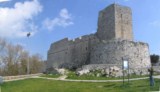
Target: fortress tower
<point>112,41</point>
<point>115,22</point>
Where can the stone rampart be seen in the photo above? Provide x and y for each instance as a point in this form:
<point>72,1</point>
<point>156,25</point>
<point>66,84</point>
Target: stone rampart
<point>99,66</point>
<point>112,52</point>
<point>71,53</point>
<point>112,42</point>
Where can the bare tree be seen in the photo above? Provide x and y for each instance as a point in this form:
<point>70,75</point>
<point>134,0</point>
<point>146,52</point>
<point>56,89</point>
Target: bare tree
<point>13,60</point>
<point>2,51</point>
<point>23,63</point>
<point>2,44</point>
<point>36,64</point>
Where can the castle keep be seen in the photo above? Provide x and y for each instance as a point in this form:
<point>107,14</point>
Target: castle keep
<point>112,41</point>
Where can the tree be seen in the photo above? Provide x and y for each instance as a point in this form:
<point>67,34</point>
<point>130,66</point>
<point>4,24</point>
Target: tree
<point>13,60</point>
<point>13,56</point>
<point>36,64</point>
<point>23,62</point>
<point>2,44</point>
<point>154,58</point>
<point>2,51</point>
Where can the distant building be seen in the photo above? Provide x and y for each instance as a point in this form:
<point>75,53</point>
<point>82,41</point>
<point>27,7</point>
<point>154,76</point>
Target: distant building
<point>112,41</point>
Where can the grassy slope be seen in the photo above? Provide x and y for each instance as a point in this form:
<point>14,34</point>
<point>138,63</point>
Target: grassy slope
<point>42,85</point>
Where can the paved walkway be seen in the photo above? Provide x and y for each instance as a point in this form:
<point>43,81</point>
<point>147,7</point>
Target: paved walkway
<point>158,76</point>
<point>19,77</point>
<point>63,78</point>
<point>72,80</point>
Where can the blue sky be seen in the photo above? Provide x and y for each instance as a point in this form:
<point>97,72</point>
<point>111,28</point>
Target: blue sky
<point>52,20</point>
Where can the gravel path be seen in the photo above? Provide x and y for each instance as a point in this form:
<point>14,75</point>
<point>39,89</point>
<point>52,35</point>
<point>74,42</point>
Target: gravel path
<point>72,80</point>
<point>63,78</point>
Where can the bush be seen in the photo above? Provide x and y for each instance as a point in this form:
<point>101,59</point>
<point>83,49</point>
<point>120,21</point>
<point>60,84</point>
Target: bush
<point>51,70</point>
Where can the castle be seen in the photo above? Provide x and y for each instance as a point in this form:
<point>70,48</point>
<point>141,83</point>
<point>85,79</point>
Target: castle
<point>112,41</point>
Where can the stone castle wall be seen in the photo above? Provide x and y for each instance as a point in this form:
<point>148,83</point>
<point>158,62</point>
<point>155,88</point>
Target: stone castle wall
<point>58,53</point>
<point>111,42</point>
<point>89,50</point>
<point>123,22</point>
<point>71,53</point>
<point>99,66</point>
<point>115,22</point>
<point>111,52</point>
<point>106,23</point>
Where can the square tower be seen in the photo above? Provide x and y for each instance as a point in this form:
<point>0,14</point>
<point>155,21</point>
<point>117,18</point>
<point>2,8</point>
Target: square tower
<point>115,22</point>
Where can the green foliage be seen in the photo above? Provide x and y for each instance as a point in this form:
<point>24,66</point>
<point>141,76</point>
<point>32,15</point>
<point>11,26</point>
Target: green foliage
<point>51,75</point>
<point>43,85</point>
<point>154,58</point>
<point>51,70</point>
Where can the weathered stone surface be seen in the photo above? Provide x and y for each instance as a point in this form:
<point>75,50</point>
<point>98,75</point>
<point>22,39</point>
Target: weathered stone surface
<point>71,53</point>
<point>62,71</point>
<point>104,49</point>
<point>100,66</point>
<point>112,70</point>
<point>115,22</point>
<point>111,52</point>
<point>81,72</point>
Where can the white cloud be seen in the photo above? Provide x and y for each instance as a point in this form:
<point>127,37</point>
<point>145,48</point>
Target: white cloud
<point>63,20</point>
<point>155,23</point>
<point>4,1</point>
<point>17,21</point>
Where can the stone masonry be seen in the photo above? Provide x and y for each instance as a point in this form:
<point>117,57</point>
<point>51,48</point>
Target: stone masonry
<point>112,41</point>
<point>115,22</point>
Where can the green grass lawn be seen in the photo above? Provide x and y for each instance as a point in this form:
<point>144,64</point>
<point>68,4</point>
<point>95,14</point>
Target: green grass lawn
<point>86,77</point>
<point>51,75</point>
<point>43,85</point>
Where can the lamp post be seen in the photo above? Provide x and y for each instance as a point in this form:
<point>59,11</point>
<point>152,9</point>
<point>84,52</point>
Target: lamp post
<point>28,67</point>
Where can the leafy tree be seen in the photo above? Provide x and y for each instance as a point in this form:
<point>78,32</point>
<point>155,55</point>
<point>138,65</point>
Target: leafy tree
<point>154,58</point>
